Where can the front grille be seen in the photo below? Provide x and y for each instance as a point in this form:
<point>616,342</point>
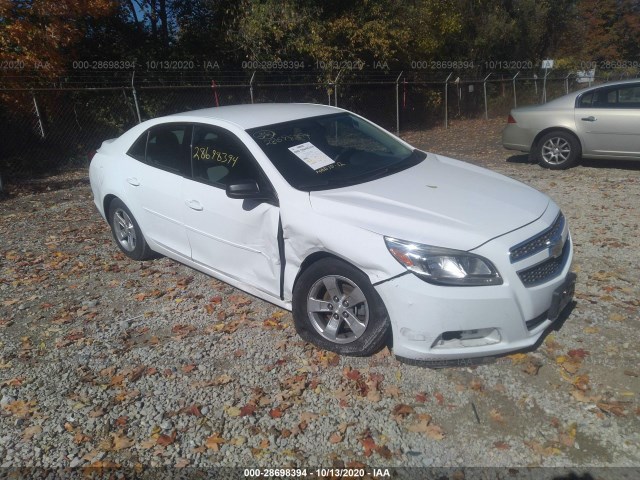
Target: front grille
<point>538,243</point>
<point>546,270</point>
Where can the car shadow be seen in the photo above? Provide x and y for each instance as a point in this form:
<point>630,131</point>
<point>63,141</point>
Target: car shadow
<point>522,158</point>
<point>613,164</point>
<point>585,162</point>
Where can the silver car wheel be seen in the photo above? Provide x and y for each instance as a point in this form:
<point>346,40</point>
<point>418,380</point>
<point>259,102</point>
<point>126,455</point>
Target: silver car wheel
<point>338,309</point>
<point>556,151</point>
<point>124,230</point>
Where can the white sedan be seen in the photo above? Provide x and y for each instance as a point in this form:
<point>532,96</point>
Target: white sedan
<point>366,239</point>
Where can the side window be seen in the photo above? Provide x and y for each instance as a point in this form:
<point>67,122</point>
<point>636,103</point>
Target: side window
<point>219,158</point>
<point>586,100</point>
<point>629,97</point>
<point>616,97</point>
<point>139,148</point>
<point>168,148</point>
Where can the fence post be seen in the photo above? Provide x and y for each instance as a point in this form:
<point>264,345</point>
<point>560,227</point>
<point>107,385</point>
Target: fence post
<point>484,87</point>
<point>38,118</point>
<point>398,104</point>
<point>515,101</point>
<point>251,85</point>
<point>544,85</point>
<point>566,83</point>
<point>135,97</point>
<point>446,101</point>
<point>335,89</point>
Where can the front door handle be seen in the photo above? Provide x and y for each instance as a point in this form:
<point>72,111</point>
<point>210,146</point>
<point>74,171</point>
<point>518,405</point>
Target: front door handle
<point>589,119</point>
<point>194,205</point>
<point>133,181</point>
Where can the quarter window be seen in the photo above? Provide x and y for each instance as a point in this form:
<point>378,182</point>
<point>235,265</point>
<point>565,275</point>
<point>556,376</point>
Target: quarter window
<point>139,148</point>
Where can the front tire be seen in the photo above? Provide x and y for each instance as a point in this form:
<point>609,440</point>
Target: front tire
<point>126,232</point>
<point>558,150</point>
<point>336,308</point>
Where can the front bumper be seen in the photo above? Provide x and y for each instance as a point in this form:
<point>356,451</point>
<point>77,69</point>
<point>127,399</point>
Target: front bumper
<point>433,322</point>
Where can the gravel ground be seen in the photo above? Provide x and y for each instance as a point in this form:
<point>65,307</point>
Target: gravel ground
<point>105,361</point>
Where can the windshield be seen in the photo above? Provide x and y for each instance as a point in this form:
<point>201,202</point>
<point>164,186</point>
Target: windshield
<point>332,151</point>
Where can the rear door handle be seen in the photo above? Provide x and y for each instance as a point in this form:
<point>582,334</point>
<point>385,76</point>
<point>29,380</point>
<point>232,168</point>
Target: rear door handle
<point>133,181</point>
<point>194,205</point>
<point>589,119</point>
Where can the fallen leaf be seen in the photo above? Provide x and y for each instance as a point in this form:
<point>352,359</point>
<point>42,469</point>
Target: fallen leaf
<point>192,410</point>
<point>421,397</point>
<point>335,438</point>
<point>275,413</point>
<point>368,444</point>
<point>616,408</point>
<point>580,396</point>
<point>351,374</point>
<point>233,411</point>
<point>20,408</point>
<point>501,445</point>
<point>30,432</point>
<point>435,432</point>
<point>165,440</point>
<point>120,442</point>
<point>248,410</point>
<point>496,416</point>
<point>578,353</point>
<point>308,416</point>
<point>214,442</point>
<point>392,390</point>
<point>421,426</point>
<point>188,368</point>
<point>402,410</point>
<point>616,317</point>
<point>137,373</point>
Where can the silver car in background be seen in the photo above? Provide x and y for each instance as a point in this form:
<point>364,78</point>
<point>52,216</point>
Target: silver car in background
<point>597,122</point>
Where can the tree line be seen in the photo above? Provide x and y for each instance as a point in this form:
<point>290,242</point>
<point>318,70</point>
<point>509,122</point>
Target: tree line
<point>51,34</point>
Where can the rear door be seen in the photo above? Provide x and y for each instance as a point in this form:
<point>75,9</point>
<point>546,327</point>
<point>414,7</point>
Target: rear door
<point>156,183</point>
<point>608,121</point>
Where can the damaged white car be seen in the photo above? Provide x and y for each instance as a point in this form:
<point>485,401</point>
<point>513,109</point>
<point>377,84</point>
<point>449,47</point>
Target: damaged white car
<point>366,239</point>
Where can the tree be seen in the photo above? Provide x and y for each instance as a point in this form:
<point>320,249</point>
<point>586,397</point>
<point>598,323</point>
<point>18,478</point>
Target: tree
<point>43,32</point>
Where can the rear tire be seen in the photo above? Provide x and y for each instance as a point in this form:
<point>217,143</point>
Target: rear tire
<point>126,232</point>
<point>558,150</point>
<point>336,308</point>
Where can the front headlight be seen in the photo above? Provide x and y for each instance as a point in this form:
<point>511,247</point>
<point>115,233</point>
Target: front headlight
<point>443,266</point>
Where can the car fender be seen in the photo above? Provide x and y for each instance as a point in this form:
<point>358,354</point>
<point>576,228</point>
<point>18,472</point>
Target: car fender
<point>306,232</point>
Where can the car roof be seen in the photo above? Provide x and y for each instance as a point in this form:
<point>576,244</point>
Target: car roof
<point>257,115</point>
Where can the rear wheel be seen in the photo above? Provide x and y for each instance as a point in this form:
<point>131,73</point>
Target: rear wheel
<point>336,308</point>
<point>126,232</point>
<point>558,150</point>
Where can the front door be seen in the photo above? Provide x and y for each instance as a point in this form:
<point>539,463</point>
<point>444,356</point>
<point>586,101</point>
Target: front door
<point>238,238</point>
<point>608,121</point>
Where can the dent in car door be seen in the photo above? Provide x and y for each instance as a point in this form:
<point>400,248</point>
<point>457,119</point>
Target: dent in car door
<point>608,121</point>
<point>235,237</point>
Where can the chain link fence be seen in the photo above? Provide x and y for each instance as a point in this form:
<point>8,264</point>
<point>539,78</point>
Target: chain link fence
<point>52,127</point>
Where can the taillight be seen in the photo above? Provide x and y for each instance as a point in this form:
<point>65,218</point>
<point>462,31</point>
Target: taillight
<point>510,119</point>
<point>91,154</point>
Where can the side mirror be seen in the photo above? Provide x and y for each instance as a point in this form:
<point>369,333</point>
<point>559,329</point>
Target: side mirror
<point>246,189</point>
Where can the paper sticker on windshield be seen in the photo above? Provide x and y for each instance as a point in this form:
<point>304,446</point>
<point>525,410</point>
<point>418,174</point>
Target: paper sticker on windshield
<point>311,155</point>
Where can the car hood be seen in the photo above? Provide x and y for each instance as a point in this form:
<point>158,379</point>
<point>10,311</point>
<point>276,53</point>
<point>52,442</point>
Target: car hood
<point>441,202</point>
